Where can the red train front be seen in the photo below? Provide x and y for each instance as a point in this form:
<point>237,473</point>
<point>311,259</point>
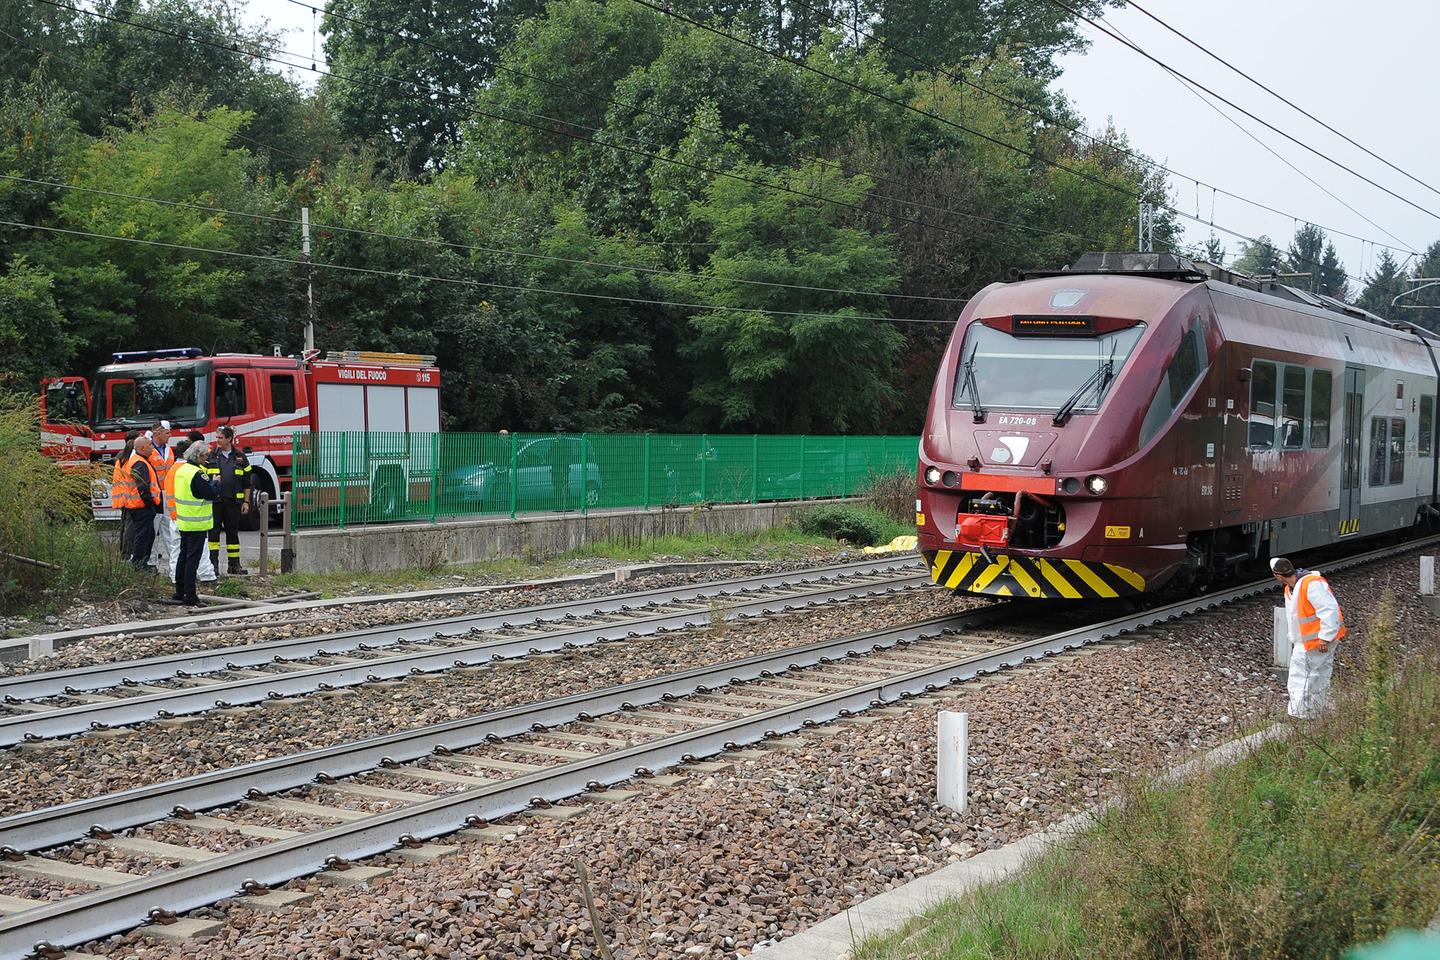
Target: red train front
<point>1094,433</point>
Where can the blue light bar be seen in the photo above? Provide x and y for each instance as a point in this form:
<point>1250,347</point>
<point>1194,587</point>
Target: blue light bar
<point>176,353</point>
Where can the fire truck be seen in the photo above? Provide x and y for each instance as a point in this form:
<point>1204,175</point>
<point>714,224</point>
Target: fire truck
<point>266,399</point>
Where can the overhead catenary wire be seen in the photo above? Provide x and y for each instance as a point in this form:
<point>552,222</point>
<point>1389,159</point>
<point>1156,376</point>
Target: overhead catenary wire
<point>1136,156</point>
<point>1234,106</point>
<point>1278,96</point>
<point>472,111</point>
<point>474,248</point>
<point>1407,248</point>
<point>943,120</point>
<point>462,281</point>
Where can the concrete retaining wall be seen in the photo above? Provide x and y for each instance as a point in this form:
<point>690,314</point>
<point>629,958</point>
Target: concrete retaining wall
<point>399,546</point>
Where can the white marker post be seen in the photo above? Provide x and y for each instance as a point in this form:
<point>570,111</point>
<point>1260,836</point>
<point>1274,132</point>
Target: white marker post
<point>1427,576</point>
<point>1282,638</point>
<point>952,754</point>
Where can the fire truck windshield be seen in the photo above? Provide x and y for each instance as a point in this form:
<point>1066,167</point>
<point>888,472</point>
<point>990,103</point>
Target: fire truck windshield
<point>140,396</point>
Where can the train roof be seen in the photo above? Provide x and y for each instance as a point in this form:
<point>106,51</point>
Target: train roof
<point>1170,266</point>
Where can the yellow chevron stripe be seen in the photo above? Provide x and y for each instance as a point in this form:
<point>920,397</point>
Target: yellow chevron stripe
<point>1004,591</point>
<point>1128,575</point>
<point>938,567</point>
<point>991,572</point>
<point>1058,581</point>
<point>1022,577</point>
<point>961,568</point>
<point>1094,582</point>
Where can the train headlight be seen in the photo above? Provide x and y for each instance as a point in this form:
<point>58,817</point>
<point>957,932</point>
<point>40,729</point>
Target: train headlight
<point>932,475</point>
<point>1097,485</point>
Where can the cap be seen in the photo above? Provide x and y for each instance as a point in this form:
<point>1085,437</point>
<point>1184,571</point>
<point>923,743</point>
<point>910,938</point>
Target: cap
<point>1282,567</point>
<point>162,425</point>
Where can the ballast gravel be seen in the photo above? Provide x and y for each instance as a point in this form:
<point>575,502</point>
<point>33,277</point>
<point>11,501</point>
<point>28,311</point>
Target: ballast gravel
<point>357,616</point>
<point>723,863</point>
<point>88,766</point>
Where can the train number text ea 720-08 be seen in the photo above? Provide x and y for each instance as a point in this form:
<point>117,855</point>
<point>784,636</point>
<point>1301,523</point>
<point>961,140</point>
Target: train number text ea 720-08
<point>1012,421</point>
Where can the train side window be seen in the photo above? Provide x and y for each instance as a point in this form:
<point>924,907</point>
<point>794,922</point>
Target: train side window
<point>1321,398</point>
<point>1179,377</point>
<point>1425,436</point>
<point>1292,408</point>
<point>1397,450</point>
<point>1262,405</point>
<point>229,394</point>
<point>282,393</point>
<point>1379,451</point>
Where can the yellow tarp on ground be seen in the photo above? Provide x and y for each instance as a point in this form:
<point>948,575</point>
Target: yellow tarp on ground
<point>898,545</point>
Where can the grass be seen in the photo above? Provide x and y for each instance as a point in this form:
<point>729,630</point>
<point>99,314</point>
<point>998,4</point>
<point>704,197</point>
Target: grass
<point>775,543</point>
<point>51,554</point>
<point>1313,844</point>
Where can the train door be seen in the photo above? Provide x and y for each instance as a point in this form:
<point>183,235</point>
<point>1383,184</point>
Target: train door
<point>1352,445</point>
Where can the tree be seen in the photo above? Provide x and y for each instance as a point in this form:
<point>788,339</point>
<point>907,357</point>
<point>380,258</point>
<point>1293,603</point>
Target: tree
<point>1260,258</point>
<point>411,95</point>
<point>1385,283</point>
<point>125,295</point>
<point>33,338</point>
<point>828,371</point>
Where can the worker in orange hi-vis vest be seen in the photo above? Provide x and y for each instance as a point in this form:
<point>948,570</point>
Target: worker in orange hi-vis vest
<point>1316,625</point>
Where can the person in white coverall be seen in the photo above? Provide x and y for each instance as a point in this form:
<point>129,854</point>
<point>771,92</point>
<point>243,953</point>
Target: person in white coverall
<point>1316,625</point>
<point>206,571</point>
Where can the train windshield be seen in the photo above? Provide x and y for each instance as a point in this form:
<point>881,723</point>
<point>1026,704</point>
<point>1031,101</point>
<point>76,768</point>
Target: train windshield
<point>139,397</point>
<point>998,369</point>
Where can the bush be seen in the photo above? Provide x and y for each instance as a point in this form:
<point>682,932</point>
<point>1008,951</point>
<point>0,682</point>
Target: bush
<point>862,526</point>
<point>47,541</point>
<point>892,495</point>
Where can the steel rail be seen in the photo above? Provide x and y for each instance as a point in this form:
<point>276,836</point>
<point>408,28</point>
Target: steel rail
<point>68,822</point>
<point>123,711</point>
<point>99,676</point>
<point>89,916</point>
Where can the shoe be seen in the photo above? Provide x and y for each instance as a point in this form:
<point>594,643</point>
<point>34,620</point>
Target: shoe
<point>192,602</point>
<point>238,571</point>
<point>207,579</point>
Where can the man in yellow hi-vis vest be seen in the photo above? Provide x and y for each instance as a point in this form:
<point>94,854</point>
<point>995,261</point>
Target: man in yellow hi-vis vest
<point>1316,625</point>
<point>194,516</point>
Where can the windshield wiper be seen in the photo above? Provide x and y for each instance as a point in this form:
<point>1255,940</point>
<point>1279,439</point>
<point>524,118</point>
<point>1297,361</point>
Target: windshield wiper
<point>1102,376</point>
<point>972,388</point>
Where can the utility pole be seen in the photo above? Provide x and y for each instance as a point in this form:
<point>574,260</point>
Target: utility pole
<point>309,279</point>
<point>1145,227</point>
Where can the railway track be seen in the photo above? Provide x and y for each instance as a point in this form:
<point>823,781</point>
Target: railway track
<point>67,702</point>
<point>458,776</point>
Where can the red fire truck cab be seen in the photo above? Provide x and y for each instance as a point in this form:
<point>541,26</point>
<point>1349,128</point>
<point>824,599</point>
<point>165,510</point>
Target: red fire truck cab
<point>267,400</point>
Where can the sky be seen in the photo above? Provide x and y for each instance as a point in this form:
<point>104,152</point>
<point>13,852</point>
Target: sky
<point>1368,70</point>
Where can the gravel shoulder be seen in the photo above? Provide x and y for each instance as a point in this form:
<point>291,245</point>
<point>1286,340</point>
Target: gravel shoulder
<point>722,863</point>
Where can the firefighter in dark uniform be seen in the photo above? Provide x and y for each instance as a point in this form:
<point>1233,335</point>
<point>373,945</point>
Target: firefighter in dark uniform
<point>228,470</point>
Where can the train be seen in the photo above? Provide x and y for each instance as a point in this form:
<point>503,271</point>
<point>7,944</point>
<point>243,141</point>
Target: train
<point>1140,424</point>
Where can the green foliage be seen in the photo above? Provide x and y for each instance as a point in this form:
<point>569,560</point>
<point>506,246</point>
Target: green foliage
<point>825,372</point>
<point>862,526</point>
<point>892,495</point>
<point>377,75</point>
<point>49,552</point>
<point>430,136</point>
<point>138,295</point>
<point>1385,283</point>
<point>32,337</point>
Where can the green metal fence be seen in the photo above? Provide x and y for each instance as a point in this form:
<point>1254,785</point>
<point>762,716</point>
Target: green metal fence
<point>354,478</point>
